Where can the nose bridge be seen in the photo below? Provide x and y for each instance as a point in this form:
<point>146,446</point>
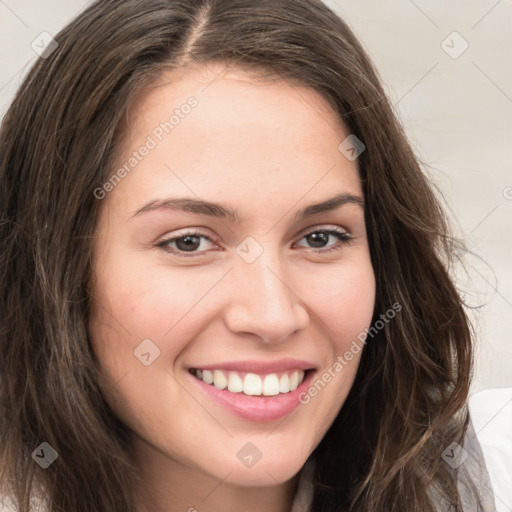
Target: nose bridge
<point>269,282</point>
<point>264,302</point>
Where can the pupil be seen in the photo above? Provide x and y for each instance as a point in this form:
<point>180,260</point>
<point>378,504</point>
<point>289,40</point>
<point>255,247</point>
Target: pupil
<point>188,243</point>
<point>314,238</point>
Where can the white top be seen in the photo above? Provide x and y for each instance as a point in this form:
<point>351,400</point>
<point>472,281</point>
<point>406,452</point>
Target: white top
<point>486,459</point>
<point>488,439</point>
<point>491,413</point>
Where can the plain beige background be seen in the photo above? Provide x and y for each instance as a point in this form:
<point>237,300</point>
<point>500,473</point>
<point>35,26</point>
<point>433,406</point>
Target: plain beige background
<point>446,67</point>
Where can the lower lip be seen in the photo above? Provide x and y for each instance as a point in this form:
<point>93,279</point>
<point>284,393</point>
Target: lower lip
<point>256,408</point>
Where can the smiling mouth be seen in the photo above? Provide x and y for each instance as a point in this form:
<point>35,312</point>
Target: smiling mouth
<point>251,384</point>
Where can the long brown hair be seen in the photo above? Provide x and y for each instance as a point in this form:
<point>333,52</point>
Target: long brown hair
<point>57,145</point>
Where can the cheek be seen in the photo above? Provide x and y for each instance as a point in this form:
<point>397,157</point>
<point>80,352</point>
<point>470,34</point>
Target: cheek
<point>146,302</point>
<point>137,303</point>
<point>345,304</point>
<point>346,301</point>
<point>136,312</point>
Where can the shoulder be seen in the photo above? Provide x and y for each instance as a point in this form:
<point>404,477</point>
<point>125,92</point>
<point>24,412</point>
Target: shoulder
<point>491,433</point>
<point>6,506</point>
<point>37,504</point>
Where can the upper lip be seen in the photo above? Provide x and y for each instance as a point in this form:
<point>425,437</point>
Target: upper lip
<point>261,367</point>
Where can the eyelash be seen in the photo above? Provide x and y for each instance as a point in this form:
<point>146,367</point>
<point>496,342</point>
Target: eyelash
<point>342,236</point>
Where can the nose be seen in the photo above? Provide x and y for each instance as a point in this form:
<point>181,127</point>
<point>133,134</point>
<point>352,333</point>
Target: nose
<point>263,300</point>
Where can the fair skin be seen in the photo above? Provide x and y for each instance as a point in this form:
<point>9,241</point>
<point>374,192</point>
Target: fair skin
<point>267,150</point>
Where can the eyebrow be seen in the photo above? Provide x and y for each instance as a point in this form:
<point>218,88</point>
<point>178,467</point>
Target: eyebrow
<point>214,209</point>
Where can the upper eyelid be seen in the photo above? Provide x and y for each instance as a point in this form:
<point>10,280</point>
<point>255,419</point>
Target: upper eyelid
<point>324,227</point>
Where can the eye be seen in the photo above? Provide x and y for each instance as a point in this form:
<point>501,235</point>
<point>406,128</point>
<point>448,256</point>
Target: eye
<point>320,238</point>
<point>188,242</point>
<point>191,242</point>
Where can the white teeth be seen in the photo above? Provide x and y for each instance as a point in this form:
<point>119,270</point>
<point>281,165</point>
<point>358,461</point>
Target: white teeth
<point>235,384</point>
<point>294,381</point>
<point>284,383</point>
<point>271,385</point>
<point>219,379</point>
<point>252,384</point>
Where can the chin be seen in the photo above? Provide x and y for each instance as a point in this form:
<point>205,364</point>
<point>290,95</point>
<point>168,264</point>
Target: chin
<point>275,470</point>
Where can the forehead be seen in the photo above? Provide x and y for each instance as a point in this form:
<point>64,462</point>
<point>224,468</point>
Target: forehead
<point>233,94</point>
<point>242,134</point>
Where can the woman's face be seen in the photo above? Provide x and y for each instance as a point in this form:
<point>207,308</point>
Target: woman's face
<point>211,262</point>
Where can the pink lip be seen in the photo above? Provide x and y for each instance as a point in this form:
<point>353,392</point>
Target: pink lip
<point>256,408</point>
<point>260,367</point>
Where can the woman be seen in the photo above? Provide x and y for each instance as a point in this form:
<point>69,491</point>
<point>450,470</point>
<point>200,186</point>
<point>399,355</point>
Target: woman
<point>224,275</point>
